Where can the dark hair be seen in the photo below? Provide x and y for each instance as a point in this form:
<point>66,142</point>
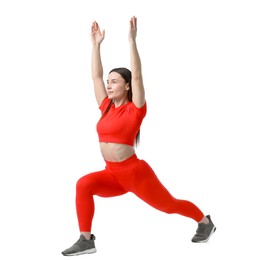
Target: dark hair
<point>127,76</point>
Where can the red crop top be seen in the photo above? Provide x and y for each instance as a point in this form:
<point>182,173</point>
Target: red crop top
<point>121,124</point>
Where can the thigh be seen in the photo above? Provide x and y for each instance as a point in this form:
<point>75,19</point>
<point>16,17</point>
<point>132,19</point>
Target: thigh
<point>100,183</point>
<point>149,188</point>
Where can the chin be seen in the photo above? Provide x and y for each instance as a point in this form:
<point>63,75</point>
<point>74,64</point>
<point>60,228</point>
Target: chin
<point>110,96</point>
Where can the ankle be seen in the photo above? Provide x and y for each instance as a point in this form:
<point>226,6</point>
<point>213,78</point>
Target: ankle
<point>87,235</point>
<point>204,220</point>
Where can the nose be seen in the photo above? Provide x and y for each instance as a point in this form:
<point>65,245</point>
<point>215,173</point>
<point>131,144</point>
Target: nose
<point>108,85</point>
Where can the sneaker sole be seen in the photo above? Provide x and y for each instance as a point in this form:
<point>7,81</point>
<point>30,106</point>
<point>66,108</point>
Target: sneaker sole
<point>205,240</point>
<point>88,251</point>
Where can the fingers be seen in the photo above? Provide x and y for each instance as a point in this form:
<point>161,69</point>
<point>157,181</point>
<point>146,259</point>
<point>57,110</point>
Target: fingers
<point>133,22</point>
<point>94,26</point>
<point>96,29</point>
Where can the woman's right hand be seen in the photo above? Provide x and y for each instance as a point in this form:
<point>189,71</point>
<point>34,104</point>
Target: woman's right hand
<point>96,35</point>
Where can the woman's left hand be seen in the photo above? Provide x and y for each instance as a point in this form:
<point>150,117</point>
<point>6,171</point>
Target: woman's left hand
<point>132,29</point>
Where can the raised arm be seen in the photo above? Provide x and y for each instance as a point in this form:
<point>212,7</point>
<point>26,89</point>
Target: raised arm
<point>136,67</point>
<point>96,65</point>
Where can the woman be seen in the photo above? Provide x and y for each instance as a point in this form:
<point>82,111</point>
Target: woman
<point>123,107</point>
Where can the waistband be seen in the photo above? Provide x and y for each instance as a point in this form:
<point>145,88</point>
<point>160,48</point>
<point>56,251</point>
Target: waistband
<point>126,162</point>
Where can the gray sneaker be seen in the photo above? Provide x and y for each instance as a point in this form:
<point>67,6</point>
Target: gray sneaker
<point>204,231</point>
<point>82,246</point>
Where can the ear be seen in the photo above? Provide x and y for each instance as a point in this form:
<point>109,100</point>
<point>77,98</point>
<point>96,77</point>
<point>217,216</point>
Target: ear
<point>127,86</point>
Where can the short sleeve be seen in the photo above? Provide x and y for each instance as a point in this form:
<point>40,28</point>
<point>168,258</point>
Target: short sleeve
<point>104,104</point>
<point>140,112</point>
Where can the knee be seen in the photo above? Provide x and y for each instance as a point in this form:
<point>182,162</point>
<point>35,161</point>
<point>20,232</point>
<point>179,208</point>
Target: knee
<point>172,208</point>
<point>85,184</point>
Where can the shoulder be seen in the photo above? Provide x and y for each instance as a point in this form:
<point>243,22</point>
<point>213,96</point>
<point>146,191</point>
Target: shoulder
<point>104,103</point>
<point>138,110</point>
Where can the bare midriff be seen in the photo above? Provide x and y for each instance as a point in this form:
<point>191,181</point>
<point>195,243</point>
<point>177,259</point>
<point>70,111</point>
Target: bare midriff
<point>114,152</point>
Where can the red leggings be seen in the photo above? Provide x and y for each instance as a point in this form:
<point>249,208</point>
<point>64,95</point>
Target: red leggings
<point>131,175</point>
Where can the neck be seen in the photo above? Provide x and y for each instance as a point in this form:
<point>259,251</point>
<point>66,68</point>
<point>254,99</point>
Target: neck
<point>120,102</point>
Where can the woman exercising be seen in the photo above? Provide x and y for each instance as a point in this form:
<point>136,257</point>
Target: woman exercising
<point>123,107</point>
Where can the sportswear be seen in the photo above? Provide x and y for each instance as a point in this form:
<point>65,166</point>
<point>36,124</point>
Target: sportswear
<point>131,175</point>
<point>204,231</point>
<point>82,246</point>
<point>120,124</point>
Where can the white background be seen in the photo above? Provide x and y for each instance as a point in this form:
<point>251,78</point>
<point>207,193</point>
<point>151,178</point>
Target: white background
<point>201,64</point>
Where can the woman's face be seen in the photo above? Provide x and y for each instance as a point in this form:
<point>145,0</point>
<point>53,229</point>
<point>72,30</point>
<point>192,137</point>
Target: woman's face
<point>117,88</point>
